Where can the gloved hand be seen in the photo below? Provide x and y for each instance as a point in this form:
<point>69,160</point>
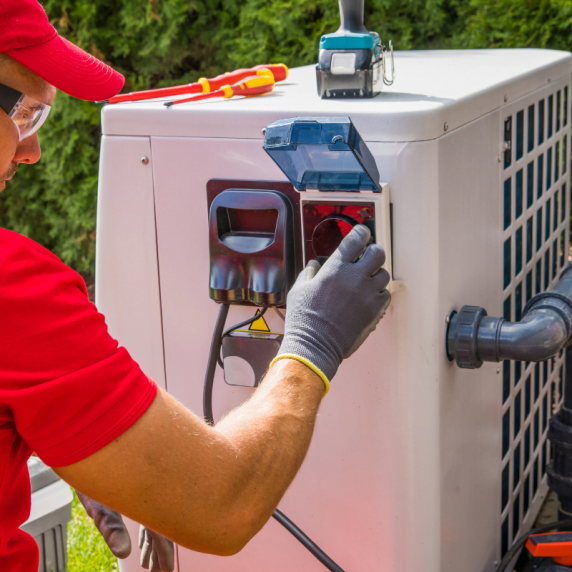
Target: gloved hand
<point>157,552</point>
<point>332,309</point>
<point>110,526</point>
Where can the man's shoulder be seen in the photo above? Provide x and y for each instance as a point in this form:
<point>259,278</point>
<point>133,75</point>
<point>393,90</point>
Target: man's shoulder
<point>27,265</point>
<point>17,245</point>
<point>7,239</point>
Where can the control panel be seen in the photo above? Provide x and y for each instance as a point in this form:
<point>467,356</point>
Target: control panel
<point>328,217</point>
<point>327,223</point>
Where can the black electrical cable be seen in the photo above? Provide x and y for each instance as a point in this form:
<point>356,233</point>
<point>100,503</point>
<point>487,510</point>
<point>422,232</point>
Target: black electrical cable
<point>214,357</point>
<point>238,326</point>
<point>307,542</point>
<point>520,542</point>
<point>211,367</point>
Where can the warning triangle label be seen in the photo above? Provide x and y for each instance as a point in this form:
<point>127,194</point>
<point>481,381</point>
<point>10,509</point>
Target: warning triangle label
<point>259,325</point>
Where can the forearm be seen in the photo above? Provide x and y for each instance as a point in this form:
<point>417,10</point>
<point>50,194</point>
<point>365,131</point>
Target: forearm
<point>208,489</point>
<point>271,434</point>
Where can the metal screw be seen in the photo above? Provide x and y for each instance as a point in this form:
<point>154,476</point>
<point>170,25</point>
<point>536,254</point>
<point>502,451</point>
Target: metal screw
<point>500,158</point>
<point>447,319</point>
<point>365,213</point>
<point>446,127</point>
<point>263,131</point>
<point>498,369</point>
<point>496,562</point>
<point>145,160</point>
<point>505,98</point>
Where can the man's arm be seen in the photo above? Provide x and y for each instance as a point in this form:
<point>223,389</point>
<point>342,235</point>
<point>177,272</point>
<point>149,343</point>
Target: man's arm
<point>210,489</point>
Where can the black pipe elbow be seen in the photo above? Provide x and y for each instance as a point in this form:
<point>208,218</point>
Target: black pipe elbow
<point>546,328</point>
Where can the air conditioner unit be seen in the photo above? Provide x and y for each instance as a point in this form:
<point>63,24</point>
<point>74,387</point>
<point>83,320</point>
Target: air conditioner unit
<point>415,464</point>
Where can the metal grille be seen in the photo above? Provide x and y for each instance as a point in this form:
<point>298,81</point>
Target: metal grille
<point>535,191</point>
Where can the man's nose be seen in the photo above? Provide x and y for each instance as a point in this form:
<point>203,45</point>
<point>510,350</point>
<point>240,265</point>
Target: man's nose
<point>28,150</point>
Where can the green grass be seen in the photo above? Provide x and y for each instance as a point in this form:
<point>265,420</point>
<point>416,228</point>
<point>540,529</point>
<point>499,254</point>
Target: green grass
<point>87,551</point>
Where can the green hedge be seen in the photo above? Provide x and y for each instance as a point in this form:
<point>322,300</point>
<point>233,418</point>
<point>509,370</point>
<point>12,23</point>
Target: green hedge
<point>163,42</point>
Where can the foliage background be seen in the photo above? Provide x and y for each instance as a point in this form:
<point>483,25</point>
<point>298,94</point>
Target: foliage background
<point>164,42</point>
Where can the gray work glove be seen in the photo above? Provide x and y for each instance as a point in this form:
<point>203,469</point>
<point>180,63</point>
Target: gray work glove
<point>110,526</point>
<point>332,309</point>
<point>157,552</point>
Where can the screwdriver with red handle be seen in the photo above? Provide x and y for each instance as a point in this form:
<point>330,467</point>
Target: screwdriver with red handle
<point>253,85</point>
<point>278,71</point>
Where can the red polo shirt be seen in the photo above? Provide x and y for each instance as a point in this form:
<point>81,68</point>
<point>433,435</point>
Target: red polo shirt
<point>66,388</point>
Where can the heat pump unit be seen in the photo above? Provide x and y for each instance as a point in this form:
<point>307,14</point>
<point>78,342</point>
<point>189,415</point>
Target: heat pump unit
<point>416,464</point>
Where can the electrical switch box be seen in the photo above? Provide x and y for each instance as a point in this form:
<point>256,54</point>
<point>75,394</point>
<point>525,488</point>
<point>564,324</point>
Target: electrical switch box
<point>328,162</point>
<point>251,236</point>
<point>328,217</point>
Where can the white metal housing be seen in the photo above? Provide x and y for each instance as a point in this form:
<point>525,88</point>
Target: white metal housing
<point>415,464</point>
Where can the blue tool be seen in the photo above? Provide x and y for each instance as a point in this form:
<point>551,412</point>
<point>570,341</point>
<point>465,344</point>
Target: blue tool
<point>352,62</point>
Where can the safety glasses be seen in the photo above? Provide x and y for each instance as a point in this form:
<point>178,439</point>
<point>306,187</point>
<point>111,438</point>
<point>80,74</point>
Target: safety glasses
<point>26,112</point>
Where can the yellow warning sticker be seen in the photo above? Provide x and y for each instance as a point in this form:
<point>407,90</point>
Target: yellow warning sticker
<point>259,325</point>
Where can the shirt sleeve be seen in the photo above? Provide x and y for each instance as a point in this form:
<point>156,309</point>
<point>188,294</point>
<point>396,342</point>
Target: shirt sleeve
<point>64,381</point>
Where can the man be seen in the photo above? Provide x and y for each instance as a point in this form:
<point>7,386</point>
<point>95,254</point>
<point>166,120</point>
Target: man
<point>69,393</point>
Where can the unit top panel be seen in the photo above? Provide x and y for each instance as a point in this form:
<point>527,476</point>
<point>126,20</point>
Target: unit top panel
<point>431,88</point>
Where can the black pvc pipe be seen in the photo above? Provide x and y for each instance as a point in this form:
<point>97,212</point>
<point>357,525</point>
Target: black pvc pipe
<point>567,384</point>
<point>542,333</point>
<point>546,328</point>
<point>559,470</point>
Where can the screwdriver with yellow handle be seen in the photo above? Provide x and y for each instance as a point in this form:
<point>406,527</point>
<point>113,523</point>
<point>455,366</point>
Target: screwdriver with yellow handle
<point>278,71</point>
<point>254,85</point>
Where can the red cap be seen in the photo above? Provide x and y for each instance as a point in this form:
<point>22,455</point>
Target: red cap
<point>27,36</point>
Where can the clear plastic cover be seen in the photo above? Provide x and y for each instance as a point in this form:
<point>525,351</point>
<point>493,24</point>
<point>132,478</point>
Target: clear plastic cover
<point>324,153</point>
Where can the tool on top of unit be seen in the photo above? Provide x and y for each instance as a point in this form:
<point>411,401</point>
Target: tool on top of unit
<point>253,85</point>
<point>278,71</point>
<point>352,61</point>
